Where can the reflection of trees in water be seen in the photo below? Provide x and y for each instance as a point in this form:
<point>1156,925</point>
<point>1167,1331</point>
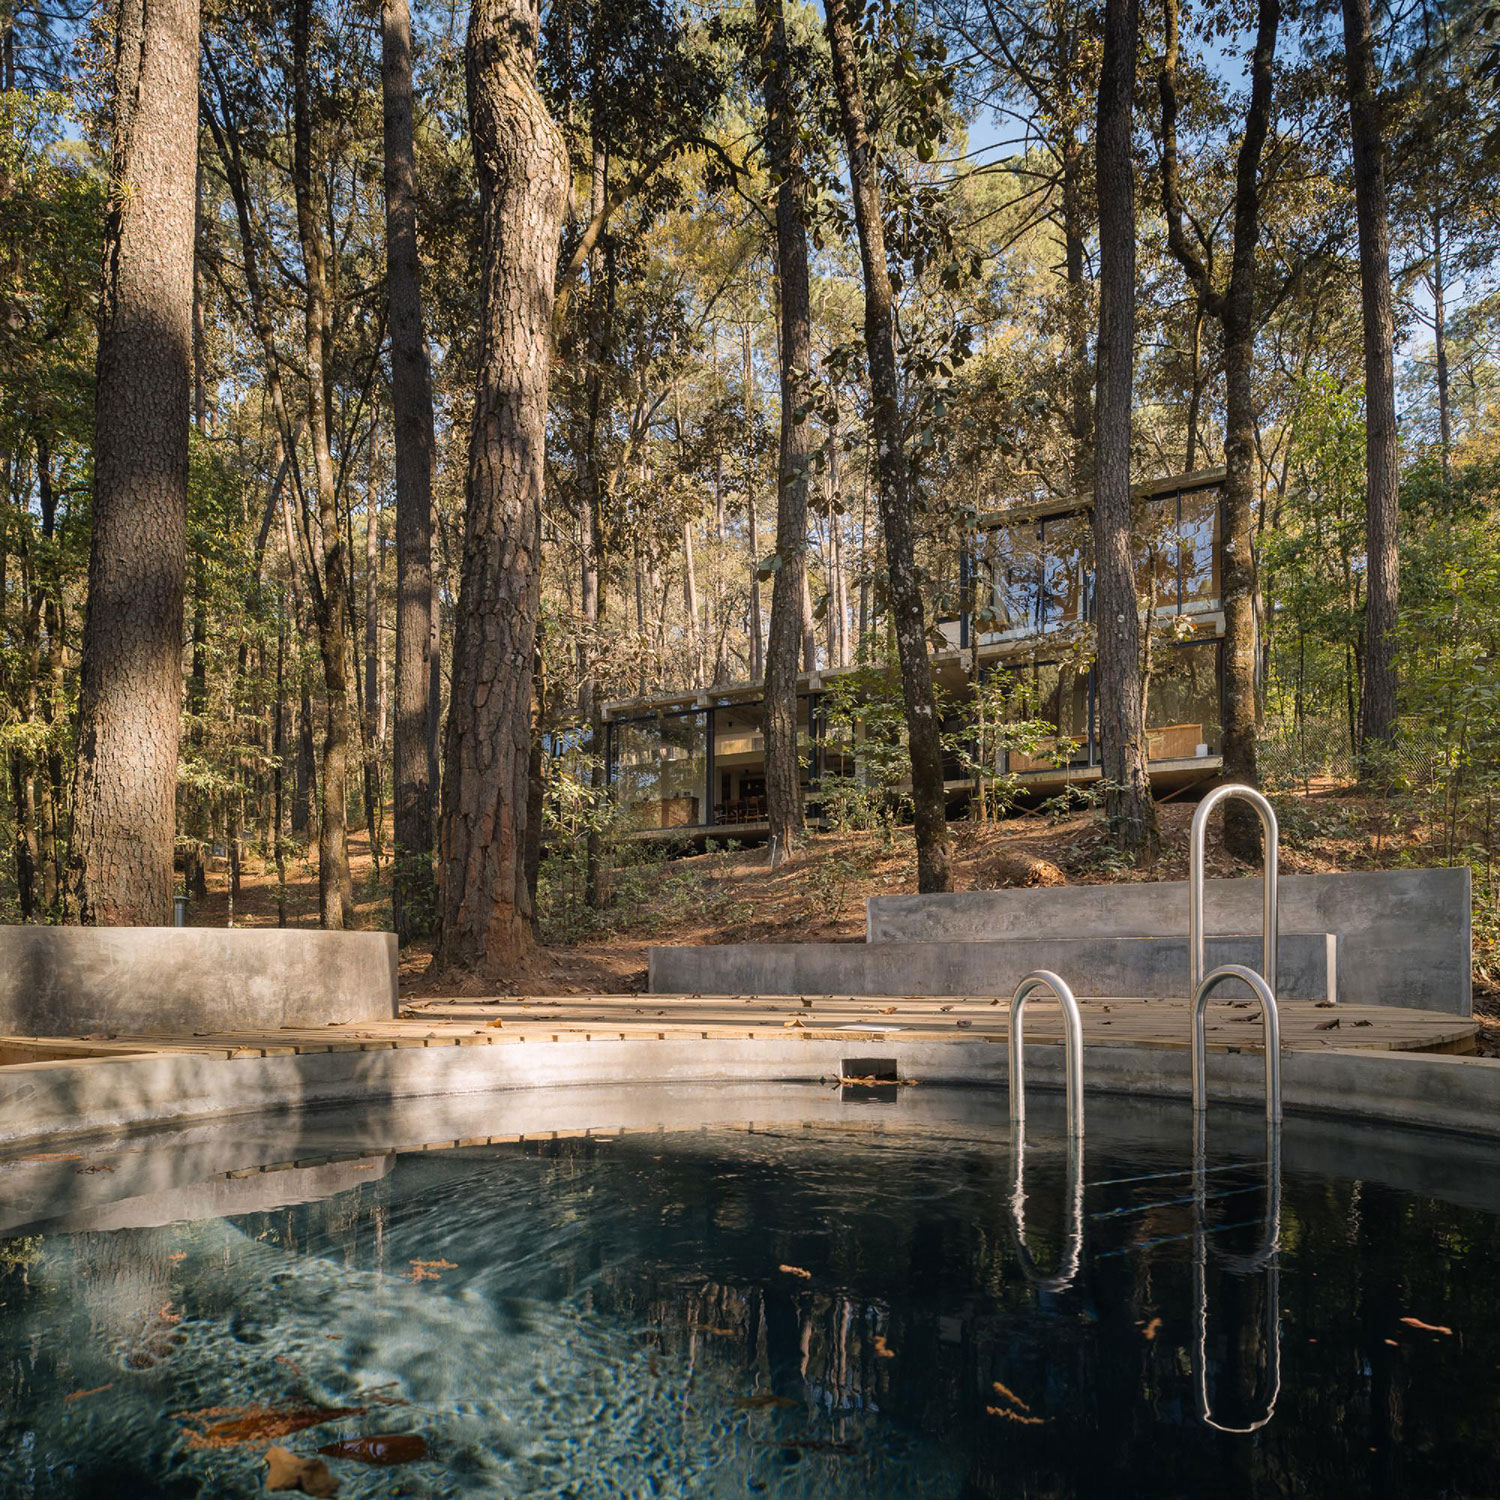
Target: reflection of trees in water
<point>913,1307</point>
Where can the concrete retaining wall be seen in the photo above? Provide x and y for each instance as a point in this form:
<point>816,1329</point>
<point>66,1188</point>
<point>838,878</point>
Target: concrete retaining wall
<point>49,1102</point>
<point>1140,967</point>
<point>76,981</point>
<point>1404,934</point>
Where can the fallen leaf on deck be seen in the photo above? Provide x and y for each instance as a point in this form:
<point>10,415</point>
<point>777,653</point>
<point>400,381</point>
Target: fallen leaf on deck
<point>806,1003</point>
<point>255,1424</point>
<point>97,1390</point>
<point>945,1008</point>
<point>797,1271</point>
<point>795,1021</point>
<point>882,1349</point>
<point>963,1023</point>
<point>761,1401</point>
<point>887,1010</point>
<point>1327,1025</point>
<point>385,1449</point>
<point>1427,1327</point>
<point>286,1471</point>
<point>1361,1023</point>
<point>1151,1329</point>
<point>1010,1395</point>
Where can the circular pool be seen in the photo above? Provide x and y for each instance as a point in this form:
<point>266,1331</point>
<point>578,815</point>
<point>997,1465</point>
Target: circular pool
<point>792,1291</point>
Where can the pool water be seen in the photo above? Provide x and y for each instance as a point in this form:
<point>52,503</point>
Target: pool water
<point>836,1306</point>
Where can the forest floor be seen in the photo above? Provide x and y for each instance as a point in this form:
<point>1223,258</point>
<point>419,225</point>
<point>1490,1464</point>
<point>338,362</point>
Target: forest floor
<point>730,895</point>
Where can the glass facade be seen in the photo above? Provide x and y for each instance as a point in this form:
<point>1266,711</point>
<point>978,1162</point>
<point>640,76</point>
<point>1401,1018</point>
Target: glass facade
<point>1182,702</point>
<point>1040,572</point>
<point>658,766</point>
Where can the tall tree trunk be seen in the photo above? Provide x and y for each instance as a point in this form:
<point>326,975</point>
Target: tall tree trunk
<point>690,606</point>
<point>1440,346</point>
<point>923,729</point>
<point>120,865</point>
<point>1234,307</point>
<point>1122,726</point>
<point>757,629</point>
<point>523,175</point>
<point>1080,373</point>
<point>783,761</point>
<point>374,797</point>
<point>330,592</point>
<point>413,897</point>
<point>1381,516</point>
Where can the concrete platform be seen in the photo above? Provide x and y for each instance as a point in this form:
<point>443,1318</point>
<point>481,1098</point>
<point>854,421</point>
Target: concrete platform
<point>1151,967</point>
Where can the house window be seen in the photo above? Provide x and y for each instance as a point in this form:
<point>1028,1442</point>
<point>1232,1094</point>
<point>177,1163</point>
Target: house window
<point>1199,530</point>
<point>1067,569</point>
<point>660,765</point>
<point>1182,702</point>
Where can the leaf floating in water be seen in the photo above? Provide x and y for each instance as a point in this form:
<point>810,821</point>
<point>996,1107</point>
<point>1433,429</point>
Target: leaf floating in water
<point>286,1471</point>
<point>796,1271</point>
<point>429,1270</point>
<point>1010,1395</point>
<point>1015,1416</point>
<point>1427,1327</point>
<point>762,1401</point>
<point>97,1390</point>
<point>1151,1329</point>
<point>385,1448</point>
<point>722,1333</point>
<point>257,1424</point>
<point>882,1349</point>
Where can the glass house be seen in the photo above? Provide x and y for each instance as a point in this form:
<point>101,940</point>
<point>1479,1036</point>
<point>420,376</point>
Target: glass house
<point>694,763</point>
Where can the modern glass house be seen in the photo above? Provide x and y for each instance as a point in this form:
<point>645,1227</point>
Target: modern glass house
<point>694,763</point>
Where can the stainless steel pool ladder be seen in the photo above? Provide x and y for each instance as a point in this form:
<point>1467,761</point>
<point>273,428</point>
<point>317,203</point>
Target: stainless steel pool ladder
<point>1265,1259</point>
<point>1072,1250</point>
<point>1263,984</point>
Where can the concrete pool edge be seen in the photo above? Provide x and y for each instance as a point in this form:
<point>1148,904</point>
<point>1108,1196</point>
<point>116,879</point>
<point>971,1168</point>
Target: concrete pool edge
<point>46,1102</point>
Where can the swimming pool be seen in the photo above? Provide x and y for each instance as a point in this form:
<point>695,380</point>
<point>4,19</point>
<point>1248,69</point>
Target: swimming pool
<point>816,1293</point>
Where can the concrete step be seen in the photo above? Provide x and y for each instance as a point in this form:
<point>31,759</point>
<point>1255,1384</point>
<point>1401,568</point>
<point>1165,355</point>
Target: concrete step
<point>1134,967</point>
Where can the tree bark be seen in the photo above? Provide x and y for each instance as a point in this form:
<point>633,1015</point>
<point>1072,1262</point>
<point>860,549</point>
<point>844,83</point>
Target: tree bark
<point>522,164</point>
<point>783,761</point>
<point>1127,798</point>
<point>1234,307</point>
<point>757,633</point>
<point>120,864</point>
<point>1378,717</point>
<point>330,592</point>
<point>374,791</point>
<point>923,728</point>
<point>413,896</point>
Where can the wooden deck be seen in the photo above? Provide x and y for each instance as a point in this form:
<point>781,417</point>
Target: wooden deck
<point>1233,1024</point>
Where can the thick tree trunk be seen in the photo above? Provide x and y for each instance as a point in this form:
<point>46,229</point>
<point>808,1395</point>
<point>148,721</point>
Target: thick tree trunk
<point>374,792</point>
<point>413,896</point>
<point>522,164</point>
<point>923,728</point>
<point>330,593</point>
<point>783,762</point>
<point>1381,516</point>
<point>120,865</point>
<point>1122,728</point>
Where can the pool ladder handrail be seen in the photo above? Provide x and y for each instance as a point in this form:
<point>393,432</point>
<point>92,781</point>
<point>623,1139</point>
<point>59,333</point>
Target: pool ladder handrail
<point>1072,1252</point>
<point>1045,979</point>
<point>1262,985</point>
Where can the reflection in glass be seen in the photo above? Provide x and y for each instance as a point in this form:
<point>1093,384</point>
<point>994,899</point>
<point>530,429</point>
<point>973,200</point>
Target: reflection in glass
<point>1014,562</point>
<point>1154,526</point>
<point>1182,702</point>
<point>1200,552</point>
<point>1067,569</point>
<point>659,769</point>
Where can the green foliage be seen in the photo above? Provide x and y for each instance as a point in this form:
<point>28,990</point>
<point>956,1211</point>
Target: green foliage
<point>865,718</point>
